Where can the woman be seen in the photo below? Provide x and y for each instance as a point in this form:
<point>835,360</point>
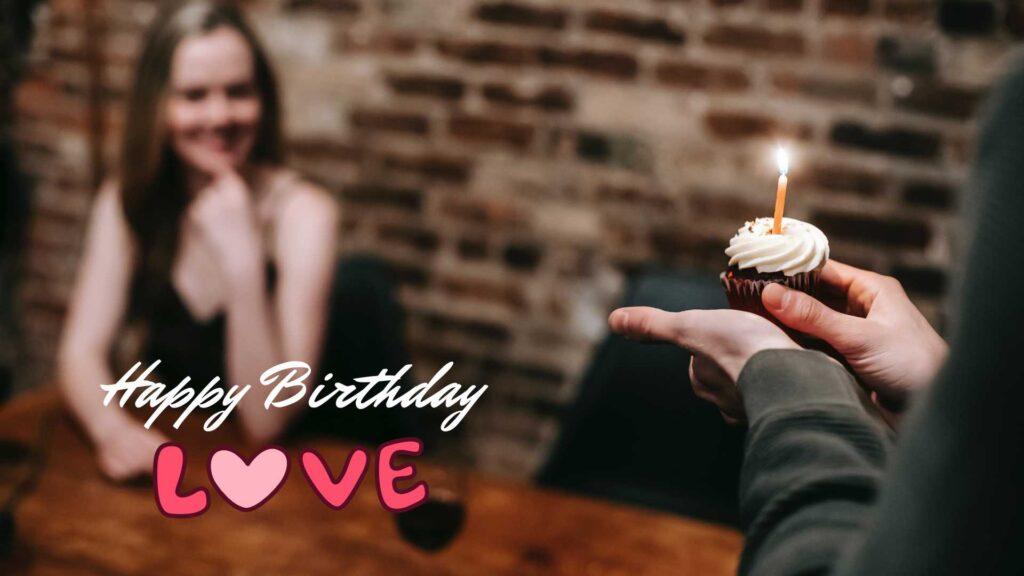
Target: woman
<point>204,238</point>
<point>816,493</point>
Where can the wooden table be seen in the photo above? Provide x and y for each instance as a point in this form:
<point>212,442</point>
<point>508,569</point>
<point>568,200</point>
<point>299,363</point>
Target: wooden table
<point>75,522</point>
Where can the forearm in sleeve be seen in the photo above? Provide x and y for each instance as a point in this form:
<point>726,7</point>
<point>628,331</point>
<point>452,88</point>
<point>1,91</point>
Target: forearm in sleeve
<point>813,462</point>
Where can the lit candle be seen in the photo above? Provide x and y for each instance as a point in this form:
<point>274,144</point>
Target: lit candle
<point>782,157</point>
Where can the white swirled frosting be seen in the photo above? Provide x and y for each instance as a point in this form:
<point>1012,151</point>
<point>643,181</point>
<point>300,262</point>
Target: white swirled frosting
<point>800,247</point>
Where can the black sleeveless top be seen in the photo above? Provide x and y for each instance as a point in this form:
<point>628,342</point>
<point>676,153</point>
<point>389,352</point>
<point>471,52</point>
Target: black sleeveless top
<point>185,346</point>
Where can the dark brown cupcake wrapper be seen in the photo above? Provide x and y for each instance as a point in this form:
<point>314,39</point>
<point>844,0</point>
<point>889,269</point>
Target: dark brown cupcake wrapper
<point>745,294</point>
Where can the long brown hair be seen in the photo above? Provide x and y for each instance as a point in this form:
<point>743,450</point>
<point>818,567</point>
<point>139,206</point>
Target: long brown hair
<point>152,179</point>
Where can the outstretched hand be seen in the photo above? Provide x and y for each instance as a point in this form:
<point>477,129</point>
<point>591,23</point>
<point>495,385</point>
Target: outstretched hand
<point>721,342</point>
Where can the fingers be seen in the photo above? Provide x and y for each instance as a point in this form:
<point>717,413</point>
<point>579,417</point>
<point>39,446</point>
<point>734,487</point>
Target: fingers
<point>215,167</point>
<point>691,329</point>
<point>712,384</point>
<point>113,467</point>
<point>860,287</point>
<point>805,314</point>
<point>840,276</point>
<point>130,456</point>
<point>645,323</point>
<point>700,389</point>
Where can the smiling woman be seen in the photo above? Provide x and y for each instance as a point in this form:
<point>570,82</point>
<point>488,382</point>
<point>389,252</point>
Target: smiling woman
<point>213,106</point>
<point>188,242</point>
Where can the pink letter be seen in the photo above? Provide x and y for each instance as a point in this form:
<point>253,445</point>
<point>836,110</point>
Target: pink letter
<point>168,469</point>
<point>335,494</point>
<point>390,497</point>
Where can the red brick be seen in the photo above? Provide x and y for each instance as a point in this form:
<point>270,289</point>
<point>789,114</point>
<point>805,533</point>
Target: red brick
<point>702,76</point>
<point>641,28</point>
<point>485,211</point>
<point>845,7</point>
<point>331,6</point>
<point>929,194</point>
<point>549,98</point>
<point>413,236</point>
<point>858,90</point>
<point>384,195</point>
<point>410,274</point>
<point>325,148</point>
<point>482,129</point>
<point>785,5</point>
<point>755,39</point>
<point>387,121</point>
<point>849,48</point>
<point>489,52</point>
<point>607,63</point>
<point>910,11</point>
<point>504,293</point>
<point>430,85</point>
<point>431,165</point>
<point>522,14</point>
<point>377,42</point>
<point>619,150</point>
<point>473,248</point>
<point>738,125</point>
<point>907,54</point>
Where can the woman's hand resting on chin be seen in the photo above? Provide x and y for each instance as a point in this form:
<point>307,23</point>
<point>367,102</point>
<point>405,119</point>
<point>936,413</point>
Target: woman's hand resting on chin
<point>224,215</point>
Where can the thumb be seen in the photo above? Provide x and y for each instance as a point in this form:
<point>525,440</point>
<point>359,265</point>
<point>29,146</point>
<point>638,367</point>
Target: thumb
<point>806,314</point>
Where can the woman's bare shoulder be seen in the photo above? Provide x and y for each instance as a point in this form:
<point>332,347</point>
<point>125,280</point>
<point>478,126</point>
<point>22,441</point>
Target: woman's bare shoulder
<point>107,204</point>
<point>110,189</point>
<point>303,201</point>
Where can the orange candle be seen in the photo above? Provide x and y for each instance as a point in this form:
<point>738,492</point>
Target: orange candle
<point>780,192</point>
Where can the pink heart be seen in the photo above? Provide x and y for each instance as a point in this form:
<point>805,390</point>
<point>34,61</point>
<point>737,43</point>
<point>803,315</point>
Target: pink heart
<point>248,485</point>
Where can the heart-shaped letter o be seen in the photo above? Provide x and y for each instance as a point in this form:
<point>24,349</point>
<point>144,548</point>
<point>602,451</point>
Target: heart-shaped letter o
<point>247,486</point>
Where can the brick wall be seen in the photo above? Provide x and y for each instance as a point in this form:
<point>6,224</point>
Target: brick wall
<point>514,158</point>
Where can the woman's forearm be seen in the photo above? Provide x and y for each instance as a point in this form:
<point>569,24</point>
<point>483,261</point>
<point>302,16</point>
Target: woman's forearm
<point>253,345</point>
<point>80,376</point>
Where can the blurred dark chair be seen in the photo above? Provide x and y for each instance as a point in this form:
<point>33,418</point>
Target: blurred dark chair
<point>636,433</point>
<point>365,334</point>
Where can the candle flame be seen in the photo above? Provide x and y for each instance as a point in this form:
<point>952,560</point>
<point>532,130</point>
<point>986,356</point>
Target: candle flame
<point>782,157</point>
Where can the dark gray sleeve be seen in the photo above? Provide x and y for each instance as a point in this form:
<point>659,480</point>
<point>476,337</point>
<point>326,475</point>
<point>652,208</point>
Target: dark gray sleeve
<point>813,462</point>
<point>954,501</point>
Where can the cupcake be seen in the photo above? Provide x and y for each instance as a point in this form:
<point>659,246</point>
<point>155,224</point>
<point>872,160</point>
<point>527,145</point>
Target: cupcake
<point>793,258</point>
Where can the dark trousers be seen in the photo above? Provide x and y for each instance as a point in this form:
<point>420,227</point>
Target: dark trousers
<point>365,334</point>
